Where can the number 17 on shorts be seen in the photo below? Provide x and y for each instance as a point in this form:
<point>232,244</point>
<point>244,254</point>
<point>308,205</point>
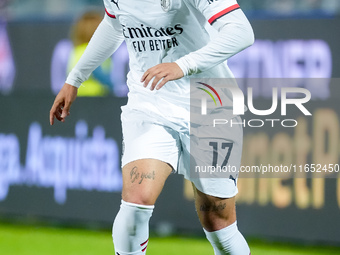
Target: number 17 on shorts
<point>215,151</point>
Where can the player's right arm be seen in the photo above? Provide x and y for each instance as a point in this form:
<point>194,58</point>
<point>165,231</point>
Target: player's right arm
<point>107,38</point>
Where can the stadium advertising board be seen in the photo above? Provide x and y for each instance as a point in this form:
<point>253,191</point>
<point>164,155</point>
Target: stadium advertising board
<point>71,172</point>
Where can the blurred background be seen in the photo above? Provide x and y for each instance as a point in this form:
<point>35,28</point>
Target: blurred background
<point>69,174</point>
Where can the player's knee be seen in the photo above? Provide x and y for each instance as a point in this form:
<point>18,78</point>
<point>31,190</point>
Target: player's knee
<point>228,240</point>
<point>140,198</point>
<point>214,222</point>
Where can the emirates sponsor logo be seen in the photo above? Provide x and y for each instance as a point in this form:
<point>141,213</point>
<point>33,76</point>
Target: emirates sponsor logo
<point>149,32</point>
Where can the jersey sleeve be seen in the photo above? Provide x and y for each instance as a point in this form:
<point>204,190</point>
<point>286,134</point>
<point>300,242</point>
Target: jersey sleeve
<point>213,10</point>
<point>109,10</point>
<point>106,39</point>
<point>234,35</point>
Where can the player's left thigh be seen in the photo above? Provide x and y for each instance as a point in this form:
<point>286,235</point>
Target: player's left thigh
<point>213,212</point>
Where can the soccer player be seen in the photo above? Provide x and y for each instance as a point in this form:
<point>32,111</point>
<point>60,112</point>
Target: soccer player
<point>168,42</point>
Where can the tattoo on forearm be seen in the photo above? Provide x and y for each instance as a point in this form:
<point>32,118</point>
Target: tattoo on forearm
<point>213,208</point>
<point>135,175</point>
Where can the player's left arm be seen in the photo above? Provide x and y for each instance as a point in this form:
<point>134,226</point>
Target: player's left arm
<point>234,35</point>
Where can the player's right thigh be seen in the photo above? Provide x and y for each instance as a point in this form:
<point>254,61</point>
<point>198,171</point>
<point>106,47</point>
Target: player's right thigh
<point>143,180</point>
<point>150,154</point>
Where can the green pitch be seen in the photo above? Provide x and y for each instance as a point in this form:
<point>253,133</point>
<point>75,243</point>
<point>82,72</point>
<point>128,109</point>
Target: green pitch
<point>30,240</point>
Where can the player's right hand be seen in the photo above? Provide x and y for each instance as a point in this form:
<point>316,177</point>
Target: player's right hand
<point>62,103</point>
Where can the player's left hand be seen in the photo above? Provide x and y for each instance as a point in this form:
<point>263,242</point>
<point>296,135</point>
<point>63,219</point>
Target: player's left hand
<point>162,73</point>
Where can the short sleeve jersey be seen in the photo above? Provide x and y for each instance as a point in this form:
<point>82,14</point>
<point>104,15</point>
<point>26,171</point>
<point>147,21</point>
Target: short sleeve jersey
<point>158,31</point>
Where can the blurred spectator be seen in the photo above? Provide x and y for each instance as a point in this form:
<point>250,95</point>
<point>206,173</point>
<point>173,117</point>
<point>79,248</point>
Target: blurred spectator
<point>99,83</point>
<point>105,79</point>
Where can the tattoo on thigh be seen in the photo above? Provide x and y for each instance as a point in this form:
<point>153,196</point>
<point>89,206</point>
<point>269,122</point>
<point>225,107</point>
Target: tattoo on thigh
<point>213,208</point>
<point>150,176</point>
<point>135,175</point>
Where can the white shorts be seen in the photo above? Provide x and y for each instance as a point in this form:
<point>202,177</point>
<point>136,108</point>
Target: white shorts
<point>155,137</point>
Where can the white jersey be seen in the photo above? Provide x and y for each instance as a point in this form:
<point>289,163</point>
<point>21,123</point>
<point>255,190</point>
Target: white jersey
<point>158,31</point>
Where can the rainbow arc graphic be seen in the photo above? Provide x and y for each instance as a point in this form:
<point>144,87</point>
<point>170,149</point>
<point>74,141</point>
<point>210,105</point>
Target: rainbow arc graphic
<point>209,93</point>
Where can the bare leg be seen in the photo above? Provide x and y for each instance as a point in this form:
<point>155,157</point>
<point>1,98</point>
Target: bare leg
<point>218,218</point>
<point>214,213</point>
<point>143,181</point>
